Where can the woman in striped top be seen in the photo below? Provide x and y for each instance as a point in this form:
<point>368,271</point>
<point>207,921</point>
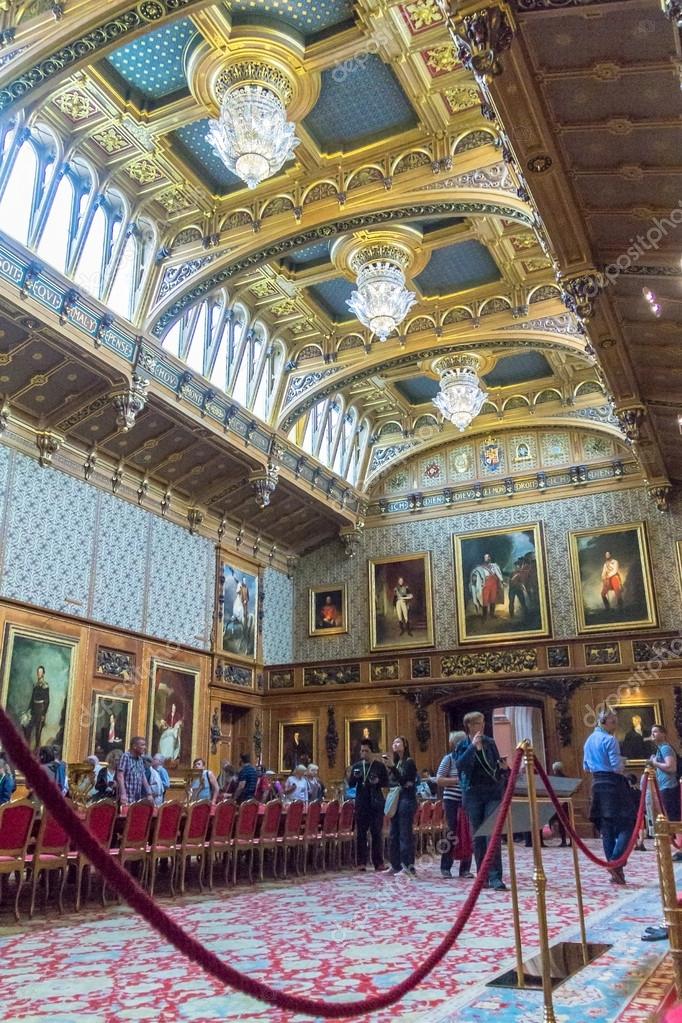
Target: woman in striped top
<point>447,780</point>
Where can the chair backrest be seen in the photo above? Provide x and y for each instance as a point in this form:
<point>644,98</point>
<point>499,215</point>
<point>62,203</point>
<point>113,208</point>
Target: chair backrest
<point>16,824</point>
<point>223,821</point>
<point>52,838</point>
<point>437,813</point>
<point>294,816</point>
<point>312,820</point>
<point>246,820</point>
<point>426,815</point>
<point>417,823</point>
<point>330,824</point>
<point>271,818</point>
<point>196,825</point>
<point>347,817</point>
<point>100,818</point>
<point>167,823</point>
<point>136,828</point>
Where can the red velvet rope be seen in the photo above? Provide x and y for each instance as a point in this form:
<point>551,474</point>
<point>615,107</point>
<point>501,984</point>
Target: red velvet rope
<point>126,886</point>
<point>606,864</point>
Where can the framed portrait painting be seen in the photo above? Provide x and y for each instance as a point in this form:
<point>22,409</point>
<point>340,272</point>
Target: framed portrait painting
<point>327,611</point>
<point>297,744</point>
<point>360,729</point>
<point>501,591</point>
<point>612,579</point>
<point>110,724</point>
<point>38,674</point>
<point>238,609</point>
<point>633,731</point>
<point>400,602</point>
<point>173,707</point>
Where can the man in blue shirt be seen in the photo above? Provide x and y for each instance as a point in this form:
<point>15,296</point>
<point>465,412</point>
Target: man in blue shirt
<point>612,810</point>
<point>665,762</point>
<point>247,779</point>
<point>477,760</point>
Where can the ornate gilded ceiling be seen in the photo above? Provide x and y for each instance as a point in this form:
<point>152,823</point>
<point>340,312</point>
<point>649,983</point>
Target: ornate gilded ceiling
<point>399,139</point>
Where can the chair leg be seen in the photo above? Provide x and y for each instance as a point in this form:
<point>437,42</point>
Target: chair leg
<point>251,865</point>
<point>152,874</point>
<point>20,885</point>
<point>60,893</point>
<point>34,885</point>
<point>201,873</point>
<point>261,855</point>
<point>79,882</point>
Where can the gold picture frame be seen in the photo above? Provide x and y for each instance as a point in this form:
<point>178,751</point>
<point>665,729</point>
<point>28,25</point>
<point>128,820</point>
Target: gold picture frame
<point>24,652</point>
<point>327,610</point>
<point>238,590</point>
<point>623,598</point>
<point>395,623</point>
<point>374,727</point>
<point>297,744</point>
<point>173,712</point>
<point>519,608</point>
<point>631,739</point>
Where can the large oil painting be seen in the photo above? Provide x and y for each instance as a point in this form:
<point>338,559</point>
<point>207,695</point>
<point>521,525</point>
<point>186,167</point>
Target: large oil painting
<point>633,732</point>
<point>297,745</point>
<point>38,673</point>
<point>327,611</point>
<point>110,724</point>
<point>238,603</point>
<point>173,701</point>
<point>612,578</point>
<point>501,592</point>
<point>359,730</point>
<point>400,603</point>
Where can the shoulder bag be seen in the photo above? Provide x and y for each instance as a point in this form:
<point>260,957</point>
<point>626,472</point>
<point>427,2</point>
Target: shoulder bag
<point>391,804</point>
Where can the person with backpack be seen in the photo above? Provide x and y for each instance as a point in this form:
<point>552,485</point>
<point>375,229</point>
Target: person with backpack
<point>665,760</point>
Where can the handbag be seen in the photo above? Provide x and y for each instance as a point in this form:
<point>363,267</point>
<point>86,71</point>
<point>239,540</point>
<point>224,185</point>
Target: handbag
<point>391,804</point>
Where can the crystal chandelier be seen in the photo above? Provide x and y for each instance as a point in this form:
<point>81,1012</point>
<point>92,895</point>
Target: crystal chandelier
<point>382,301</point>
<point>461,397</point>
<point>252,135</point>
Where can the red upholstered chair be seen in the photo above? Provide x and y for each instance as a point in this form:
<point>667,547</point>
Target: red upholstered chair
<point>244,833</point>
<point>346,840</point>
<point>51,853</point>
<point>193,842</point>
<point>16,825</point>
<point>292,838</point>
<point>222,838</point>
<point>100,818</point>
<point>164,841</point>
<point>269,831</point>
<point>329,839</point>
<point>312,837</point>
<point>135,837</point>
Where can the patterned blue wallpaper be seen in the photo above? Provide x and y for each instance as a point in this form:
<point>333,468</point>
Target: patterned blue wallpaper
<point>278,608</point>
<point>329,565</point>
<point>70,547</point>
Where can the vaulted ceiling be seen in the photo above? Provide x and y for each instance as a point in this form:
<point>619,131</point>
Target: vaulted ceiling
<point>506,188</point>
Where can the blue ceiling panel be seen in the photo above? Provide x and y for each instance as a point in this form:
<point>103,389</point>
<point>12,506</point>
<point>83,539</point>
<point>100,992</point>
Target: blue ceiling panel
<point>457,267</point>
<point>190,143</point>
<point>154,64</point>
<point>518,369</point>
<point>359,106</point>
<point>310,255</point>
<point>417,390</point>
<point>331,296</point>
<point>309,17</point>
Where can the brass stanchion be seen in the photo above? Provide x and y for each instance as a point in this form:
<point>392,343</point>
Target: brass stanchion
<point>540,882</point>
<point>515,900</point>
<point>578,886</point>
<point>664,830</point>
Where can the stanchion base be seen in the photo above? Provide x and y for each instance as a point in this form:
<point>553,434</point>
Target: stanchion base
<point>566,960</point>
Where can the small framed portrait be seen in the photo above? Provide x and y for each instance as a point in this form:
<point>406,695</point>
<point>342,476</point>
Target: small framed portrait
<point>297,744</point>
<point>38,674</point>
<point>328,610</point>
<point>358,730</point>
<point>400,602</point>
<point>501,593</point>
<point>173,708</point>
<point>612,579</point>
<point>635,721</point>
<point>110,724</point>
<point>238,609</point>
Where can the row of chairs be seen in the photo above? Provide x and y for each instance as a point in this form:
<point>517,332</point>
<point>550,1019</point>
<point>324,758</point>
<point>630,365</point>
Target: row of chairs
<point>174,836</point>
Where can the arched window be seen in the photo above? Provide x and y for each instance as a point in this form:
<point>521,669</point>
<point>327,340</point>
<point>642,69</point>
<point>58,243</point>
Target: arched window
<point>197,345</point>
<point>249,366</point>
<point>343,448</point>
<point>269,379</point>
<point>55,239</point>
<point>88,275</point>
<point>19,195</point>
<point>121,293</point>
<point>171,342</point>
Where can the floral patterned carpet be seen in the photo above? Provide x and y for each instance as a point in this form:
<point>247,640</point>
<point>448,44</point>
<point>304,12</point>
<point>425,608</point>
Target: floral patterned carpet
<point>340,937</point>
